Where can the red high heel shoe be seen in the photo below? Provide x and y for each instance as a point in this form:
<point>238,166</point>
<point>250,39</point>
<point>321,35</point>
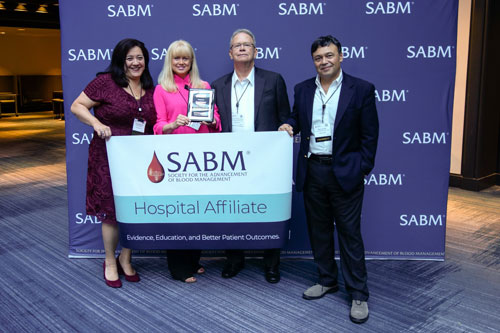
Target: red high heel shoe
<point>129,278</point>
<point>109,283</point>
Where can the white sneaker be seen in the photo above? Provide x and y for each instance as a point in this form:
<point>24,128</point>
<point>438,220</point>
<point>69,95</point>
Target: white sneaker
<point>318,291</point>
<point>359,311</point>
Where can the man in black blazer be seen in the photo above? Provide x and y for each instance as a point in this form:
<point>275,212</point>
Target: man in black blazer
<point>337,118</point>
<point>250,99</point>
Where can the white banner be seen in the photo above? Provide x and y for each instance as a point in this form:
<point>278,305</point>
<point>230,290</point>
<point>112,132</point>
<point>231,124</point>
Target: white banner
<point>202,178</point>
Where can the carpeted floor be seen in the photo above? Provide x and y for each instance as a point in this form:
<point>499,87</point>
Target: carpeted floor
<point>41,290</point>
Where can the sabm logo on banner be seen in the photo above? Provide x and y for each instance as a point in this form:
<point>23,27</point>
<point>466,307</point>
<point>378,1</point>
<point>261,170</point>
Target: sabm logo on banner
<point>158,53</point>
<point>430,51</point>
<point>215,9</point>
<point>354,52</point>
<point>190,167</point>
<point>105,54</point>
<point>268,52</point>
<point>81,138</point>
<point>421,220</point>
<point>82,218</point>
<point>384,179</point>
<point>388,7</point>
<point>89,54</point>
<point>129,10</point>
<point>386,95</point>
<point>425,138</point>
<point>301,8</point>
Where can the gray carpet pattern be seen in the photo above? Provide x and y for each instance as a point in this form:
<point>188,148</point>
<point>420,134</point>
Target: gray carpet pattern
<point>41,290</point>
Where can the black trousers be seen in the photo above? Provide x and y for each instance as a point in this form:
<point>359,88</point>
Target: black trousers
<point>271,257</point>
<point>182,264</point>
<point>326,202</point>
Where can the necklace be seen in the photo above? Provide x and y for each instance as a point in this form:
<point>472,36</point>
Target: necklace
<point>138,98</point>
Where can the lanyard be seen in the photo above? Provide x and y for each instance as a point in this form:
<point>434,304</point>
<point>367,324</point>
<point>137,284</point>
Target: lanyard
<point>323,106</point>
<point>236,94</point>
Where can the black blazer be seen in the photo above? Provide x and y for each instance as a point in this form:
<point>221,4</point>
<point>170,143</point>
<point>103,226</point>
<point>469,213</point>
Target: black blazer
<point>272,107</point>
<point>354,142</point>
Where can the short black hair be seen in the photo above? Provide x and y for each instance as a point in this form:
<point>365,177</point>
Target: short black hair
<point>117,65</point>
<point>323,41</point>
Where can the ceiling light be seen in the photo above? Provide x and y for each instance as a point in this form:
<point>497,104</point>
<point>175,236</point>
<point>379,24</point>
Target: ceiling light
<point>2,7</point>
<point>42,9</point>
<point>20,7</point>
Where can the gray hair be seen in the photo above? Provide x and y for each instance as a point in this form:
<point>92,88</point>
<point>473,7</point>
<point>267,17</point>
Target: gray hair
<point>246,31</point>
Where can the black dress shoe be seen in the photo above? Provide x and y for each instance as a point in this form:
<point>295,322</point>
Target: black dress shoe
<point>231,270</point>
<point>273,275</point>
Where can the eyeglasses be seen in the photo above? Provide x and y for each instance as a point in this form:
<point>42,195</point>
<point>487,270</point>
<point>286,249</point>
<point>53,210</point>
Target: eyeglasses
<point>240,45</point>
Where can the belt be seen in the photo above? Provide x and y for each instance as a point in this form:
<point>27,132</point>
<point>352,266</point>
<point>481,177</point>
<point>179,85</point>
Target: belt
<point>322,159</point>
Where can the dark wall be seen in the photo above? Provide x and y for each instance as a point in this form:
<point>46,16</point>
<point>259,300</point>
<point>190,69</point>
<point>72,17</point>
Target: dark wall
<point>8,83</point>
<point>481,147</point>
<point>493,82</point>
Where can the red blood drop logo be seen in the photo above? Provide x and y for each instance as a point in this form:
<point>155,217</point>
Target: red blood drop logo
<point>156,173</point>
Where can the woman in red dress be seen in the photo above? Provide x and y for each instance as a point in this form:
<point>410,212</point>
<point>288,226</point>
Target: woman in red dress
<point>121,96</point>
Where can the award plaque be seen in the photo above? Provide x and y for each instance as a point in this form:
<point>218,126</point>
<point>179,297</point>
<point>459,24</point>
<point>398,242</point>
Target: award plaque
<point>201,105</point>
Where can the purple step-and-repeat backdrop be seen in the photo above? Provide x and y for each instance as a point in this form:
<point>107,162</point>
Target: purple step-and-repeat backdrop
<point>406,48</point>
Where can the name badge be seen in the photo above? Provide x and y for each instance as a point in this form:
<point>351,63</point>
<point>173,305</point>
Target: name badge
<point>322,132</point>
<point>238,120</point>
<point>139,126</point>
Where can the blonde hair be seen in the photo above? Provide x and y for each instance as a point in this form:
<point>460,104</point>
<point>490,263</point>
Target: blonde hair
<point>166,77</point>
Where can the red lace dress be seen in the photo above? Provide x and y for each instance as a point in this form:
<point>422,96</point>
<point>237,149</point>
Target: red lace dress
<point>117,110</point>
